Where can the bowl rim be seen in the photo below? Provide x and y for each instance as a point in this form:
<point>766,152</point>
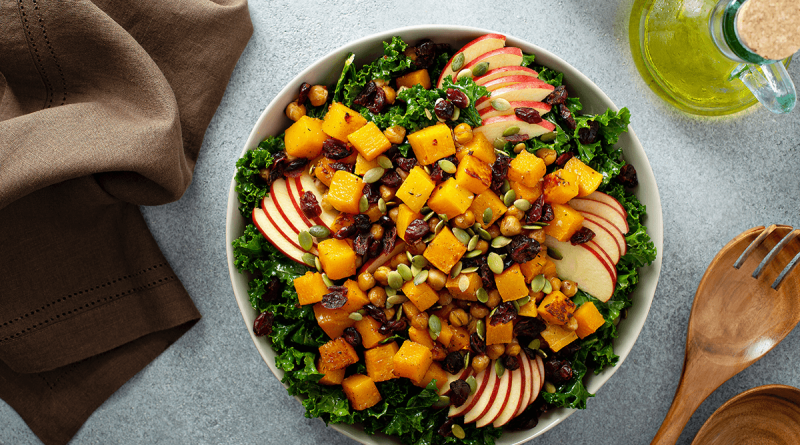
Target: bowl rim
<point>577,81</point>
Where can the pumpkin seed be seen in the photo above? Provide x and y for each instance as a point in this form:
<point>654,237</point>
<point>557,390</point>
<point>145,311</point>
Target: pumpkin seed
<point>522,204</point>
<point>547,137</point>
<point>421,277</point>
<point>532,227</point>
<point>473,384</point>
<point>535,344</point>
<point>409,256</point>
<point>317,264</point>
<point>480,328</point>
<point>458,62</point>
<point>537,283</point>
<point>463,282</point>
<point>456,269</point>
<point>549,388</point>
<point>447,166</point>
<point>363,204</point>
<point>555,254</point>
<point>390,291</point>
<point>327,280</point>
<point>487,216</point>
<point>466,72</point>
<point>373,175</point>
<point>439,227</point>
<point>434,335</point>
<point>480,69</point>
<point>429,238</point>
<point>428,216</point>
<point>498,144</point>
<point>308,258</point>
<point>443,217</point>
<point>486,236</point>
<point>495,263</point>
<point>456,113</point>
<point>473,242</point>
<point>473,254</point>
<point>415,270</point>
<point>385,162</point>
<point>382,205</point>
<point>395,279</point>
<point>541,353</point>
<point>499,369</point>
<point>547,287</point>
<point>458,431</point>
<point>443,401</point>
<point>355,316</point>
<point>419,261</point>
<point>524,300</point>
<point>466,365</point>
<point>461,235</point>
<point>396,299</point>
<point>500,241</point>
<point>305,240</point>
<point>506,186</point>
<point>425,210</point>
<point>399,313</point>
<point>472,269</point>
<point>515,303</point>
<point>404,272</point>
<point>500,104</point>
<point>509,198</point>
<point>435,324</point>
<point>319,231</point>
<point>470,231</point>
<point>482,295</point>
<point>510,131</point>
<point>430,118</point>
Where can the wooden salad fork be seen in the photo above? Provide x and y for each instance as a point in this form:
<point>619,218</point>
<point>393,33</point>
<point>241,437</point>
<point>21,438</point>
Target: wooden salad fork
<point>746,303</point>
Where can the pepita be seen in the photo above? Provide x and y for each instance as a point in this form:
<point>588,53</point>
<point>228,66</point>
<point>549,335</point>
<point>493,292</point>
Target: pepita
<point>308,258</point>
<point>443,402</point>
<point>482,295</point>
<point>510,131</point>
<point>487,216</point>
<point>470,231</point>
<point>500,104</point>
<point>524,300</point>
<point>548,388</point>
<point>409,256</point>
<point>458,62</point>
<point>318,264</point>
<point>466,72</point>
<point>499,369</point>
<point>456,269</point>
<point>537,283</point>
<point>495,263</point>
<point>425,210</point>
<point>532,227</point>
<point>443,217</point>
<point>439,226</point>
<point>473,253</point>
<point>486,236</point>
<point>421,277</point>
<point>480,69</point>
<point>506,187</point>
<point>327,280</point>
<point>404,272</point>
<point>447,166</point>
<point>355,316</point>
<point>430,118</point>
<point>435,324</point>
<point>419,261</point>
<point>466,365</point>
<point>415,270</point>
<point>319,232</point>
<point>396,299</point>
<point>555,254</point>
<point>429,238</point>
<point>547,287</point>
<point>456,113</point>
<point>461,235</point>
<point>547,137</point>
<point>535,344</point>
<point>473,384</point>
<point>473,242</point>
<point>522,204</point>
<point>509,198</point>
<point>463,282</point>
<point>500,241</point>
<point>498,144</point>
<point>382,205</point>
<point>434,335</point>
<point>395,279</point>
<point>390,291</point>
<point>480,328</point>
<point>363,204</point>
<point>515,303</point>
<point>385,162</point>
<point>428,216</point>
<point>458,431</point>
<point>305,240</point>
<point>373,175</point>
<point>472,269</point>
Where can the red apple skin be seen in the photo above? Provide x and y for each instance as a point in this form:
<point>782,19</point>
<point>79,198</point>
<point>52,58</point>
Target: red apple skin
<point>494,127</point>
<point>584,266</point>
<point>500,400</point>
<point>601,209</point>
<point>489,42</point>
<point>540,365</point>
<point>541,107</point>
<point>463,375</point>
<point>280,225</point>
<point>608,199</point>
<point>611,228</point>
<point>517,92</point>
<point>519,388</point>
<point>281,198</point>
<point>266,228</point>
<point>482,405</point>
<point>604,239</point>
<point>297,191</point>
<point>483,379</point>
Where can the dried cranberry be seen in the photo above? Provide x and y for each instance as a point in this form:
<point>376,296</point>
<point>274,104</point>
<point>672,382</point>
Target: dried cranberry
<point>309,205</point>
<point>372,192</point>
<point>352,336</point>
<point>416,230</point>
<point>362,223</point>
<point>305,88</point>
<point>525,421</point>
<point>517,138</point>
<point>444,109</point>
<point>336,149</point>
<point>392,326</point>
<point>535,213</point>
<point>335,298</point>
<point>458,98</point>
<point>527,114</point>
<point>558,96</point>
<point>487,276</point>
<point>529,327</point>
<point>566,116</point>
<point>426,53</point>
<point>504,313</point>
<point>583,235</point>
<point>568,351</point>
<point>375,248</point>
<point>376,313</point>
<point>263,324</point>
<point>345,232</point>
<point>558,371</point>
<point>334,166</point>
<point>273,290</point>
<point>406,163</point>
<point>523,249</point>
<point>361,244</point>
<point>372,97</point>
<point>563,158</point>
<point>391,179</point>
<point>547,213</point>
<point>588,135</point>
<point>459,392</point>
<point>385,221</point>
<point>365,95</point>
<point>389,239</point>
<point>510,362</point>
<point>295,167</point>
<point>279,162</point>
<point>477,344</point>
<point>499,172</point>
<point>447,427</point>
<point>453,362</point>
<point>627,176</point>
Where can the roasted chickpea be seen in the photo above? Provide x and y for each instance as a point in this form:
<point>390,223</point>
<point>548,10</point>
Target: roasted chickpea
<point>494,299</point>
<point>569,288</point>
<point>400,258</point>
<point>478,310</point>
<point>495,351</point>
<point>537,235</point>
<point>465,220</point>
<point>472,326</point>
<point>513,348</point>
<point>325,204</point>
<point>318,95</point>
<point>420,321</point>
<point>377,296</point>
<point>483,246</point>
<point>376,231</point>
<point>458,317</point>
<point>387,193</point>
<point>519,147</point>
<point>432,223</point>
<point>417,249</point>
<point>437,280</point>
<point>555,283</point>
<point>510,226</point>
<point>366,281</point>
<point>359,261</point>
<point>379,82</point>
<point>513,212</point>
<point>295,111</point>
<point>480,362</point>
<point>393,213</point>
<point>462,133</point>
<point>572,324</point>
<point>396,134</point>
<point>548,155</point>
<point>391,94</point>
<point>438,352</point>
<point>549,269</point>
<point>444,296</point>
<point>494,231</point>
<point>381,275</point>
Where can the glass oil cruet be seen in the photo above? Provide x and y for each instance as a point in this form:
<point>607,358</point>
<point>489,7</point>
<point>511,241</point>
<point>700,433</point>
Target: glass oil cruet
<point>716,57</point>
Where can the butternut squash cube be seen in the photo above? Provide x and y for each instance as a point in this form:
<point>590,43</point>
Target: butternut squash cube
<point>434,372</point>
<point>499,334</point>
<point>368,327</point>
<point>345,191</point>
<point>304,138</point>
<point>420,336</point>
<point>363,165</point>
<point>459,340</point>
<point>446,335</point>
<point>524,192</point>
<point>556,308</point>
<point>337,257</point>
<point>474,174</point>
<point>511,283</point>
<point>549,270</point>
<point>323,170</point>
<point>527,169</point>
<point>416,189</point>
<point>412,361</point>
<point>566,221</point>
<point>487,200</point>
<point>534,267</point>
<point>445,250</point>
<point>332,321</point>
<point>370,141</point>
<point>404,217</point>
<point>480,147</point>
<point>471,282</point>
<point>356,298</point>
<point>331,377</point>
<point>450,199</point>
<point>340,121</point>
<point>361,392</point>
<point>419,77</point>
<point>560,186</point>
<point>310,288</point>
<point>410,310</point>
<point>588,178</point>
<point>432,143</point>
<point>374,212</point>
<point>529,309</point>
<point>589,319</point>
<point>423,296</point>
<point>336,354</point>
<point>379,362</point>
<point>558,336</point>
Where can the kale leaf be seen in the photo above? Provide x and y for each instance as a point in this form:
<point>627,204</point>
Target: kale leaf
<point>249,184</point>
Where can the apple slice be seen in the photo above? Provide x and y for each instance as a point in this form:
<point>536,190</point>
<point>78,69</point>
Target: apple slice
<point>526,91</point>
<point>283,202</point>
<point>282,227</point>
<point>305,183</point>
<point>503,398</point>
<point>485,379</point>
<point>484,402</point>
<point>604,239</point>
<point>498,58</point>
<point>274,236</point>
<point>506,71</point>
<point>610,228</point>
<point>608,199</point>
<point>600,209</point>
<point>541,107</point>
<point>463,375</point>
<point>584,266</point>
<point>373,264</point>
<point>520,382</point>
<point>540,365</point>
<point>494,127</point>
<point>471,50</point>
<point>501,82</point>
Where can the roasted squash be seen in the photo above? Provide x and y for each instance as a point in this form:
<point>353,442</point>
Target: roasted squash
<point>556,308</point>
<point>336,354</point>
<point>432,143</point>
<point>412,361</point>
<point>340,121</point>
<point>473,174</point>
<point>379,362</point>
<point>526,169</point>
<point>560,186</point>
<point>369,141</point>
<point>511,283</point>
<point>589,319</point>
<point>304,138</point>
<point>450,199</point>
<point>338,259</point>
<point>566,221</point>
<point>345,191</point>
<point>422,295</point>
<point>588,178</point>
<point>445,250</point>
<point>416,189</point>
<point>558,336</point>
<point>487,200</point>
<point>332,321</point>
<point>310,288</point>
<point>419,77</point>
<point>361,392</point>
<point>480,147</point>
<point>500,333</point>
<point>368,327</point>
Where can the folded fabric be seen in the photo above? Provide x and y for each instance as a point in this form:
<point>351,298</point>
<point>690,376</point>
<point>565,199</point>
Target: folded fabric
<point>103,107</point>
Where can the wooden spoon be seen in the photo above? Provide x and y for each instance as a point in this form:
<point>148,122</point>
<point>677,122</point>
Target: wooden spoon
<point>745,304</point>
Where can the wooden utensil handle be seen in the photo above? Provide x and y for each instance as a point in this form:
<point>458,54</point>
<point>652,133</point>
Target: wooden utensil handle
<point>684,404</point>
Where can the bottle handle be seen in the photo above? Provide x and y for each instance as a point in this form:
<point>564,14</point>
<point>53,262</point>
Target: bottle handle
<point>770,84</point>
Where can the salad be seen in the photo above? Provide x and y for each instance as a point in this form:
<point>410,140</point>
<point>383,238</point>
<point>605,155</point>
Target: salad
<point>441,244</point>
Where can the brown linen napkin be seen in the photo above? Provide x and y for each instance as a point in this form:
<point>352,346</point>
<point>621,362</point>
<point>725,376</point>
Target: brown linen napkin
<point>103,107</point>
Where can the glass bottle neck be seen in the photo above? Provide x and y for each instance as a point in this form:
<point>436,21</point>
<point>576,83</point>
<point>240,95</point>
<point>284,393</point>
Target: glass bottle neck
<point>722,25</point>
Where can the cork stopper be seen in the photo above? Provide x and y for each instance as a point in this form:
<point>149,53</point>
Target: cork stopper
<point>770,28</point>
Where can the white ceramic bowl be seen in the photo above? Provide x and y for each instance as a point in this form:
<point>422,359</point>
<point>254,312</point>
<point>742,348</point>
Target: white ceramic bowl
<point>326,71</point>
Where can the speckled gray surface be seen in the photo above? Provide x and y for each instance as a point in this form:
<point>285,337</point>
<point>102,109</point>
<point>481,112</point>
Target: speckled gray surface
<point>716,177</point>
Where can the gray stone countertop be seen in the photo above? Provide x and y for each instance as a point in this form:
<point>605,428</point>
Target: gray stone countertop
<point>716,176</point>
